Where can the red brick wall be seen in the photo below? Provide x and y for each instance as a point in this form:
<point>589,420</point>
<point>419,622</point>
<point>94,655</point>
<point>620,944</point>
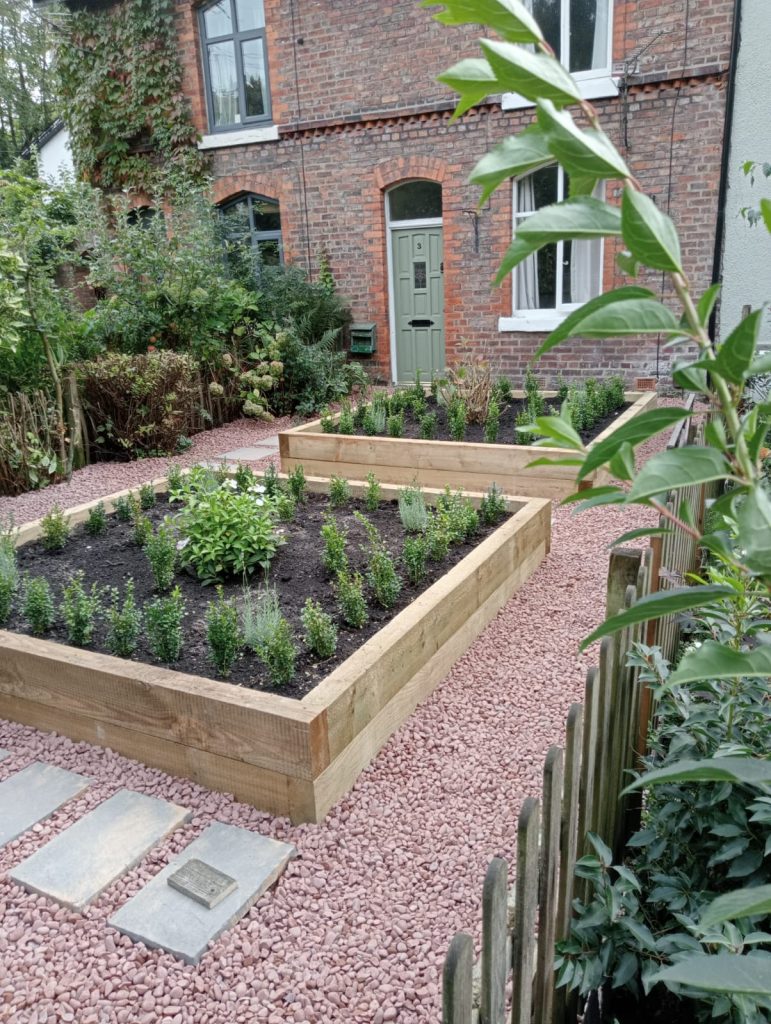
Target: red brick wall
<point>371,114</point>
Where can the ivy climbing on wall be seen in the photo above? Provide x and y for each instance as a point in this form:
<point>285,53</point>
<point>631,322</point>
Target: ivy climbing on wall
<point>121,85</point>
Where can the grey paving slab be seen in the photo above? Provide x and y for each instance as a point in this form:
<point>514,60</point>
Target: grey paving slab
<point>269,442</point>
<point>4,754</point>
<point>250,454</point>
<point>32,794</point>
<point>164,918</point>
<point>80,863</point>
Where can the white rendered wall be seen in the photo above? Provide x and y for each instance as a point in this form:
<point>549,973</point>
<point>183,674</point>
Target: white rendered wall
<point>747,250</point>
<point>55,157</point>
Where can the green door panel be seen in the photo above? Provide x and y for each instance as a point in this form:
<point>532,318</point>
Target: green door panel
<point>418,296</point>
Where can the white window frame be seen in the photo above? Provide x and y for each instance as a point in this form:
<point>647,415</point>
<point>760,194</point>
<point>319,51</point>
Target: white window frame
<point>595,84</point>
<point>544,320</point>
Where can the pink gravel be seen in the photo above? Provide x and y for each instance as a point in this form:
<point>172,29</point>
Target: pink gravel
<point>357,928</point>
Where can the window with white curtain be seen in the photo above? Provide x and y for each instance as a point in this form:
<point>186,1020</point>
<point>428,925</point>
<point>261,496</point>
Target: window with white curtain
<point>560,276</point>
<point>580,33</point>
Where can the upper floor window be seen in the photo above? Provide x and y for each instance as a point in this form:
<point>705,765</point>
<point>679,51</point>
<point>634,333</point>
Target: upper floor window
<point>580,33</point>
<point>253,227</point>
<point>577,30</point>
<point>235,63</point>
<point>560,276</point>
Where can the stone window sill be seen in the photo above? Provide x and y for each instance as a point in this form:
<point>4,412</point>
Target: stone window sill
<point>246,137</point>
<point>596,87</point>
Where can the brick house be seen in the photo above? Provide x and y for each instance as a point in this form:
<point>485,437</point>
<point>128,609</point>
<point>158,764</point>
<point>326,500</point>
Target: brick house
<point>328,134</point>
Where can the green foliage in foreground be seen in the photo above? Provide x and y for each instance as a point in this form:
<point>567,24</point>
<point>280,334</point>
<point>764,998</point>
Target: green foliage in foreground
<point>725,971</point>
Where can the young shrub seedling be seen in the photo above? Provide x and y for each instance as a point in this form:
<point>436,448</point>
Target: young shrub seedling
<point>522,436</point>
<point>286,506</point>
<point>161,551</point>
<point>244,477</point>
<point>146,497</point>
<point>271,482</point>
<point>412,509</point>
<point>222,633</point>
<point>259,616</point>
<point>359,414</point>
<point>143,529</point>
<point>381,570</point>
<point>456,415</point>
<point>80,609</point>
<point>55,527</point>
<point>339,491</point>
<point>125,507</point>
<point>38,608</point>
<point>334,557</point>
<point>502,391</point>
<point>174,479</point>
<point>9,580</point>
<point>320,629</point>
<point>124,623</point>
<point>492,508</point>
<point>349,588</point>
<point>278,653</point>
<point>327,422</point>
<point>373,492</point>
<point>345,424</point>
<point>163,618</point>
<point>97,520</point>
<point>437,539</point>
<point>428,426</point>
<point>492,421</point>
<point>415,556</point>
<point>396,424</point>
<point>296,484</point>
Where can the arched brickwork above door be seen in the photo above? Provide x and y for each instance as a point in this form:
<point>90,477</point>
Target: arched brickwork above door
<point>402,168</point>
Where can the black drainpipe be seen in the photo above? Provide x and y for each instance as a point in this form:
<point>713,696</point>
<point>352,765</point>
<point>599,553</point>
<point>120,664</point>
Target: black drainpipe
<point>717,258</point>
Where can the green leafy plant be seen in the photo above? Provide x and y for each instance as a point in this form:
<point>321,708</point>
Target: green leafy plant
<point>55,529</point>
<point>146,497</point>
<point>124,622</point>
<point>373,493</point>
<point>9,580</point>
<point>163,623</point>
<point>457,419</point>
<point>320,629</point>
<point>349,588</point>
<point>278,652</point>
<point>502,391</point>
<point>260,614</point>
<point>412,509</point>
<point>80,609</point>
<point>428,426</point>
<point>335,539</point>
<point>328,425</point>
<point>395,425</point>
<point>731,982</point>
<point>226,533</point>
<point>286,506</point>
<point>339,491</point>
<point>492,422</point>
<point>124,508</point>
<point>161,551</point>
<point>271,481</point>
<point>38,610</point>
<point>143,529</point>
<point>458,516</point>
<point>297,485</point>
<point>345,423</point>
<point>492,507</point>
<point>437,538</point>
<point>381,569</point>
<point>223,634</point>
<point>415,557</point>
<point>97,520</point>
<point>175,478</point>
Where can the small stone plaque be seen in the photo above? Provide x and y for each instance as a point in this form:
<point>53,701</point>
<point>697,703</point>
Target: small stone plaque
<point>202,883</point>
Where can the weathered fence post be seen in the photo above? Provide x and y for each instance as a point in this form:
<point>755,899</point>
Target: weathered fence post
<point>553,773</point>
<point>525,911</point>
<point>495,939</point>
<point>457,980</point>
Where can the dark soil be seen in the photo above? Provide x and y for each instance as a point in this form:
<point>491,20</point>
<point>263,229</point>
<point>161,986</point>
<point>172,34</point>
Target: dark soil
<point>475,432</point>
<point>297,573</point>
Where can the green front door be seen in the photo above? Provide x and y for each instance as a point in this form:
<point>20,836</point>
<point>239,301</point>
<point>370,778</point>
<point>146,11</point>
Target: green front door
<point>418,302</point>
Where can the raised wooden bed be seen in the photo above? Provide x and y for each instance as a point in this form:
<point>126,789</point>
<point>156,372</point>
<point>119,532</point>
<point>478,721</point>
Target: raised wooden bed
<point>289,757</point>
<point>472,466</point>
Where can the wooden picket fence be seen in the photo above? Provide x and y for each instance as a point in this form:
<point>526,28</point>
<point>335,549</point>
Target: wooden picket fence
<point>582,786</point>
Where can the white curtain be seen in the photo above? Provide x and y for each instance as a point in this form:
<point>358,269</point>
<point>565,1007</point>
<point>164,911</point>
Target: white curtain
<point>584,269</point>
<point>527,272</point>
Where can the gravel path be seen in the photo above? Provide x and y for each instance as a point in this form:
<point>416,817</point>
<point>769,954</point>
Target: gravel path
<point>357,928</point>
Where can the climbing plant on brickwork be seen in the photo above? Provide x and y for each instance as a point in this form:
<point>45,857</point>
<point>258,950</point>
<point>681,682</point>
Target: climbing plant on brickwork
<point>121,83</point>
